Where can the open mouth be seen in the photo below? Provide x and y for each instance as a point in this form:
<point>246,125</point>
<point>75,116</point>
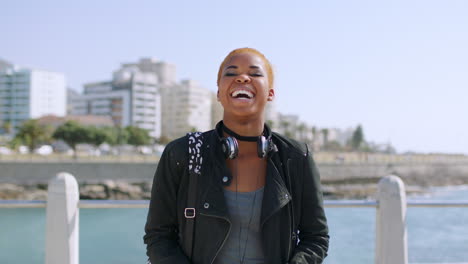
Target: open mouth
<point>242,94</point>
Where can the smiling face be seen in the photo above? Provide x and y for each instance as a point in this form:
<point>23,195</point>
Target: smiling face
<point>244,85</point>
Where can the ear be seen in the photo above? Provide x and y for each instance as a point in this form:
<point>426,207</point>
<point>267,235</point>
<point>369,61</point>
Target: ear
<point>271,94</point>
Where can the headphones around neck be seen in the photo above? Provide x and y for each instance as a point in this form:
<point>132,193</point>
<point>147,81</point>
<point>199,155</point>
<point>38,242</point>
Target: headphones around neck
<point>230,147</point>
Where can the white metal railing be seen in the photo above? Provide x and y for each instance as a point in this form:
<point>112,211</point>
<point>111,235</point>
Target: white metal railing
<point>96,204</point>
<point>62,217</point>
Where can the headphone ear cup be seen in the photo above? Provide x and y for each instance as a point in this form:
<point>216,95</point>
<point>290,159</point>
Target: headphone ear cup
<point>262,147</point>
<point>230,147</point>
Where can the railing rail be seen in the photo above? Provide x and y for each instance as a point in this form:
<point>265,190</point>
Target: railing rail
<point>63,204</point>
<point>89,204</point>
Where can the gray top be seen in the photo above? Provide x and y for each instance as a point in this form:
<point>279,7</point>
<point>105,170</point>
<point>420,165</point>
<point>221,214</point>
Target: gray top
<point>244,240</point>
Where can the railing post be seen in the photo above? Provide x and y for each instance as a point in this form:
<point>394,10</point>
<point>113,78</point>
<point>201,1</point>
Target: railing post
<point>391,239</point>
<point>62,218</point>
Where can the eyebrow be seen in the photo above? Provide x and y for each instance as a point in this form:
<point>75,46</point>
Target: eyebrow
<point>235,67</point>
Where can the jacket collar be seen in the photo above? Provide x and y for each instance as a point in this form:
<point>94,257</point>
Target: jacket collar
<point>276,194</point>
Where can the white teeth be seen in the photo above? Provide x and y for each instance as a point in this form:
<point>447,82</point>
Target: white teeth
<point>244,92</point>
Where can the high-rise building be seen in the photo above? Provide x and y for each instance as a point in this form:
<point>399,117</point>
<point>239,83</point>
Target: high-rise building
<point>272,116</point>
<point>217,110</point>
<point>131,98</point>
<point>186,107</point>
<point>146,94</point>
<point>30,93</point>
<point>5,65</point>
<point>166,72</point>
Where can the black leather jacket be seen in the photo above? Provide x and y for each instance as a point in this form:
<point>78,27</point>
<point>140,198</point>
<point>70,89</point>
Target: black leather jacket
<point>293,222</point>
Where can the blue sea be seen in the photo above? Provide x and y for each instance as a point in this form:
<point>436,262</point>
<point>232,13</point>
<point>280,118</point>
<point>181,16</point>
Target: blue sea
<point>435,235</point>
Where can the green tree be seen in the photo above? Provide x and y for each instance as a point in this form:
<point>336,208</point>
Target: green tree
<point>285,126</point>
<point>314,131</point>
<point>357,139</point>
<point>72,133</point>
<point>302,129</point>
<point>31,133</point>
<point>122,136</point>
<point>270,123</point>
<point>137,136</point>
<point>325,133</point>
<point>97,136</point>
<point>7,128</point>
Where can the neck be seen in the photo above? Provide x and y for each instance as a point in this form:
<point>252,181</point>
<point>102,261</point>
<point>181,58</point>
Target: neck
<point>247,127</point>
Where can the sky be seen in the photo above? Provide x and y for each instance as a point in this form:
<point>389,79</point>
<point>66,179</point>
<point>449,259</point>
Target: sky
<point>399,68</point>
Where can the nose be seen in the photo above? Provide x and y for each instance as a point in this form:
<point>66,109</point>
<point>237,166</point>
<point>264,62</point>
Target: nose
<point>242,78</point>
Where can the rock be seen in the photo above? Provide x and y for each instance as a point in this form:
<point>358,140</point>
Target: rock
<point>93,191</point>
<point>11,191</point>
<point>124,191</point>
<point>35,195</point>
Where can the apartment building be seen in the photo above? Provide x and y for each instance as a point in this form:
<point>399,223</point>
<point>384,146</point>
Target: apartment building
<point>186,107</point>
<point>146,94</point>
<point>217,110</point>
<point>30,93</point>
<point>131,98</point>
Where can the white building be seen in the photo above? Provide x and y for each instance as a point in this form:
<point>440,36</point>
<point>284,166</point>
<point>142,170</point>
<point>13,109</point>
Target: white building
<point>101,99</point>
<point>5,64</point>
<point>30,93</point>
<point>287,125</point>
<point>217,110</point>
<point>186,107</point>
<point>166,72</point>
<point>146,94</point>
<point>272,115</point>
<point>131,98</point>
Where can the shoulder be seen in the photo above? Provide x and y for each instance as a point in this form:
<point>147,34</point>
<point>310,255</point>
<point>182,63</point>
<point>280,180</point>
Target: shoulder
<point>176,149</point>
<point>290,145</point>
<point>179,147</point>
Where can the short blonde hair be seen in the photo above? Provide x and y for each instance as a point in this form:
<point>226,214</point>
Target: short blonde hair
<point>268,66</point>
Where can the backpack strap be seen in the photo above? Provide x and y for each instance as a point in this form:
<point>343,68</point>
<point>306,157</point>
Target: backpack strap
<point>195,160</point>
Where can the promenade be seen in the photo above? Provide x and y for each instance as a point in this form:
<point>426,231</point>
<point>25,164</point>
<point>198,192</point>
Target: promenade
<point>343,175</point>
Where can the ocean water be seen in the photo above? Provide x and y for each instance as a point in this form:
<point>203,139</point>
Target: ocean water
<point>435,235</point>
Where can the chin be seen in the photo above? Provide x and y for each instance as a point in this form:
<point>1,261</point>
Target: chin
<point>245,113</point>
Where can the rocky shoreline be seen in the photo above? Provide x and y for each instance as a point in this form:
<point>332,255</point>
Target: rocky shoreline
<point>122,190</point>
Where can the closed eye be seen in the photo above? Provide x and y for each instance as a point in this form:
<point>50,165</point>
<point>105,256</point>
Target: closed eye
<point>230,74</point>
<point>256,74</point>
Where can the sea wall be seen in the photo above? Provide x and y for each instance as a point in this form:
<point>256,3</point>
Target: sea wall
<point>430,174</point>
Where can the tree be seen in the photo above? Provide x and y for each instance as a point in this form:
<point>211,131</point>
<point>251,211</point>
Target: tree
<point>163,140</point>
<point>358,138</point>
<point>314,132</point>
<point>122,136</point>
<point>97,136</point>
<point>270,123</point>
<point>31,133</point>
<point>7,127</point>
<point>72,133</point>
<point>301,128</point>
<point>325,132</point>
<point>138,136</point>
<point>285,126</point>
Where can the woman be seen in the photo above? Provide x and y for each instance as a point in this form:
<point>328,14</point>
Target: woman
<point>258,195</point>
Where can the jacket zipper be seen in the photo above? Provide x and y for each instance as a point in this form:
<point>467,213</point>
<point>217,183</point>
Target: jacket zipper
<point>225,238</point>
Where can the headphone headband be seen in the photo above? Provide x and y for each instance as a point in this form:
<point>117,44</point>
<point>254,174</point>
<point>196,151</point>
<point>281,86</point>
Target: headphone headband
<point>230,147</point>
